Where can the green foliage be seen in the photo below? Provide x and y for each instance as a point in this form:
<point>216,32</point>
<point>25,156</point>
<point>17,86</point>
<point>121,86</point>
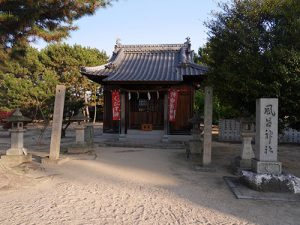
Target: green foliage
<point>29,83</point>
<point>66,61</point>
<point>21,21</point>
<point>220,111</point>
<point>254,52</point>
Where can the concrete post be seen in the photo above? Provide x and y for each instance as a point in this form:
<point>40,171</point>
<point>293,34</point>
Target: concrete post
<point>208,107</point>
<point>57,122</point>
<point>166,121</point>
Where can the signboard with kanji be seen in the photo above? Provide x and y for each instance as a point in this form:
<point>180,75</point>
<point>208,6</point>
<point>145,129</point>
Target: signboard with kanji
<point>116,105</point>
<point>172,104</point>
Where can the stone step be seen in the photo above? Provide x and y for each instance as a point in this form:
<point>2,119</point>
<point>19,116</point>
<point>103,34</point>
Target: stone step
<point>140,144</point>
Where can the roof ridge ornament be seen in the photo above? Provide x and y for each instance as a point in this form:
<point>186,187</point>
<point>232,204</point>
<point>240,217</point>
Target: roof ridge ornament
<point>188,40</point>
<point>118,42</point>
<point>188,53</point>
<point>118,45</point>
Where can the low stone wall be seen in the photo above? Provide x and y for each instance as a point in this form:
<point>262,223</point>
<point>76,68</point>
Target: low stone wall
<point>229,130</point>
<point>290,136</point>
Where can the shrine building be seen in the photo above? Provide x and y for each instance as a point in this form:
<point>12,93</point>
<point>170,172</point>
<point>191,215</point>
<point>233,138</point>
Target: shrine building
<point>148,87</point>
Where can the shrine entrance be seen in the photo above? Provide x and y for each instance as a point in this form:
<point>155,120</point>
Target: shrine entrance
<point>146,111</point>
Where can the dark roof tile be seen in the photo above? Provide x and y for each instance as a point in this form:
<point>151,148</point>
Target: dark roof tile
<point>147,63</point>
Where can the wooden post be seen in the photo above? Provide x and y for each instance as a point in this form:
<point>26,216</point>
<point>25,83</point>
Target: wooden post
<point>208,107</point>
<point>122,122</point>
<point>166,121</point>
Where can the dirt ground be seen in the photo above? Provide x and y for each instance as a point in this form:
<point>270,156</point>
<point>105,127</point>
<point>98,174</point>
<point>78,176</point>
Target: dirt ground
<point>137,186</point>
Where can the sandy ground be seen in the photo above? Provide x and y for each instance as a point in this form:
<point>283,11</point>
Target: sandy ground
<point>137,186</point>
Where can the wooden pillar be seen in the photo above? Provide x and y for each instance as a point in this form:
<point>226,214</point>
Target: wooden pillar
<point>104,110</point>
<point>166,121</point>
<point>208,107</point>
<point>123,115</point>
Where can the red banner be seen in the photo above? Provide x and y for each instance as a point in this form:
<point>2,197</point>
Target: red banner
<point>172,100</point>
<point>116,105</point>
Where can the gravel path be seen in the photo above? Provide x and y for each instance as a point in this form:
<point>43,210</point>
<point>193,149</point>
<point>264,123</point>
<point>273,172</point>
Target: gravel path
<point>132,186</point>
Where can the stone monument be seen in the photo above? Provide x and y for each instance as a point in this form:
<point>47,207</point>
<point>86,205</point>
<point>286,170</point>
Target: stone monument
<point>16,154</point>
<point>266,140</point>
<point>266,170</point>
<point>57,122</point>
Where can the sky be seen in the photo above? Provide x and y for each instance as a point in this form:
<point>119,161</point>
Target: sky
<point>144,22</point>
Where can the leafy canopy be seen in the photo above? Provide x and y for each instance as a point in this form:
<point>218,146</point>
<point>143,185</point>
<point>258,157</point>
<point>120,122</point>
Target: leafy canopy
<point>253,52</point>
<point>30,83</point>
<point>23,21</point>
<point>50,20</point>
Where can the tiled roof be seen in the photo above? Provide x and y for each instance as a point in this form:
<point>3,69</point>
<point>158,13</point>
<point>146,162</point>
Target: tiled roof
<point>147,63</point>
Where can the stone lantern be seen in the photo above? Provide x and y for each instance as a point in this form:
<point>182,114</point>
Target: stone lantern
<point>195,145</point>
<point>243,162</point>
<point>196,120</point>
<point>79,128</point>
<point>17,153</point>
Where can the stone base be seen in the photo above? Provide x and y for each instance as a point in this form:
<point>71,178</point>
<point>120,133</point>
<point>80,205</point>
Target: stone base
<point>196,146</point>
<point>16,151</point>
<point>266,167</point>
<point>271,182</point>
<point>15,160</point>
<point>240,164</point>
<point>47,161</point>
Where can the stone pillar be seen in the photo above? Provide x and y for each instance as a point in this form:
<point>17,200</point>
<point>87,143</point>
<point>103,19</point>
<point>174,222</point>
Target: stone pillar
<point>57,122</point>
<point>166,121</point>
<point>79,132</point>
<point>208,106</point>
<point>123,122</point>
<point>266,140</point>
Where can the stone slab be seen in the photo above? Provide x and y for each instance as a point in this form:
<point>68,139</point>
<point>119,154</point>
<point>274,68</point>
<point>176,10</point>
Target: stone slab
<point>266,167</point>
<point>14,160</point>
<point>241,191</point>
